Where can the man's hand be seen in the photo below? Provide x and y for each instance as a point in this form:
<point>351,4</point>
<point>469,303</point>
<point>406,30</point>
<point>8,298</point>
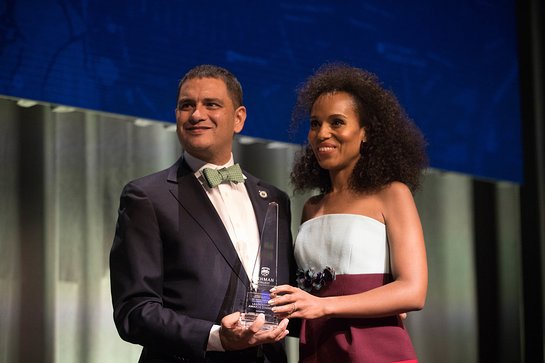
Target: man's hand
<point>234,336</point>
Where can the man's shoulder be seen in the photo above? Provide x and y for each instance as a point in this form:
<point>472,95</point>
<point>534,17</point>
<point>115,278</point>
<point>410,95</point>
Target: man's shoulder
<point>154,178</point>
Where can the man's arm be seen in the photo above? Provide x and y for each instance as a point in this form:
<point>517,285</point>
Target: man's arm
<point>136,270</point>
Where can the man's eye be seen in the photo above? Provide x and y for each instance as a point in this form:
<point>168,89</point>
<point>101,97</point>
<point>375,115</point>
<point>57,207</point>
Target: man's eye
<point>184,106</point>
<point>314,124</point>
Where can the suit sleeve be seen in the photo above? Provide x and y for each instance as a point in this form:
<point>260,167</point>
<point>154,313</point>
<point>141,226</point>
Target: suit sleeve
<point>136,272</point>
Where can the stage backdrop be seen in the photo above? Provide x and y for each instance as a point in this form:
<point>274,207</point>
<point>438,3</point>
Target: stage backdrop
<point>452,64</point>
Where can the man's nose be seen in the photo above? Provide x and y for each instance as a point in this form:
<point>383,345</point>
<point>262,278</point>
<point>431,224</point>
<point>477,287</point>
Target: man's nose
<point>198,113</point>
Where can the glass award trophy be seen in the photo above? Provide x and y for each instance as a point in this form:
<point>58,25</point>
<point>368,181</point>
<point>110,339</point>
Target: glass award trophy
<point>258,295</point>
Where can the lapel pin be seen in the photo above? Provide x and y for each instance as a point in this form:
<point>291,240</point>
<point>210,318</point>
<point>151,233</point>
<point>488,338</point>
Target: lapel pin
<point>263,194</point>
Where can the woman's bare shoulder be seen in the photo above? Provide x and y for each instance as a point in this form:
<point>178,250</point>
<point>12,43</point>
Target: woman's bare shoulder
<point>394,191</point>
<point>396,199</point>
<point>311,207</point>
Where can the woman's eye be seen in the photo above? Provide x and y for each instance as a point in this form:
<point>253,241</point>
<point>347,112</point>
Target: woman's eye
<point>337,122</point>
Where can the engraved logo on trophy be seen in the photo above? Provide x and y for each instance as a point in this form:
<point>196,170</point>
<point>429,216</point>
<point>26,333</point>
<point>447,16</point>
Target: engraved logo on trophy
<point>258,295</point>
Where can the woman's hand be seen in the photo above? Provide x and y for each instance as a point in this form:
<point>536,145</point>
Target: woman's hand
<point>292,302</point>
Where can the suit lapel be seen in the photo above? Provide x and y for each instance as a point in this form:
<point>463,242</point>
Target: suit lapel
<point>192,197</point>
<point>260,198</point>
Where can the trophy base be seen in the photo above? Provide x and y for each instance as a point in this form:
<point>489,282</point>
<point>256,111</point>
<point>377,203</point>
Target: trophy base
<point>247,319</point>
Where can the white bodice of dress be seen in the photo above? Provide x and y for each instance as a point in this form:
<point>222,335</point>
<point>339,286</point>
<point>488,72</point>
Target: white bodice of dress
<point>349,243</point>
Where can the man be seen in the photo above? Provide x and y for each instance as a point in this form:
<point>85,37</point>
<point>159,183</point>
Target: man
<point>184,249</point>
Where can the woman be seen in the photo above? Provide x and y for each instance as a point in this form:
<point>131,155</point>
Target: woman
<point>360,247</point>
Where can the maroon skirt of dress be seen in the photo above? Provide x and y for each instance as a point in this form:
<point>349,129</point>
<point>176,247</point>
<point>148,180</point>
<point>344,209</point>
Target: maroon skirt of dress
<point>365,340</point>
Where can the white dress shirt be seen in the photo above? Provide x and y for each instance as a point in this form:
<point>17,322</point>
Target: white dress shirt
<point>235,209</point>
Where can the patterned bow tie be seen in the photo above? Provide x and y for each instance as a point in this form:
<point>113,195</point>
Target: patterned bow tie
<point>215,177</point>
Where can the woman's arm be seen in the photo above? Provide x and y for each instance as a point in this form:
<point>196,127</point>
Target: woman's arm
<point>407,291</point>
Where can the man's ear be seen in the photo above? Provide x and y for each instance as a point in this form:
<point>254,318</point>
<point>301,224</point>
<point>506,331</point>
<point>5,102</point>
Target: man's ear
<point>240,118</point>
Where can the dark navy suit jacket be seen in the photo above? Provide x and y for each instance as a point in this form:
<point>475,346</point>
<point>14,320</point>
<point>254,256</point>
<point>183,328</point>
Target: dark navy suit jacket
<point>174,270</point>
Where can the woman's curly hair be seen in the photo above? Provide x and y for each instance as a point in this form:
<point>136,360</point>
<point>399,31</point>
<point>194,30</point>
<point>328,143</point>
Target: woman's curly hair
<point>394,149</point>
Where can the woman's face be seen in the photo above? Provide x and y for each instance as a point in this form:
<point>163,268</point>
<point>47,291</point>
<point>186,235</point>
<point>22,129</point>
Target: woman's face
<point>335,133</point>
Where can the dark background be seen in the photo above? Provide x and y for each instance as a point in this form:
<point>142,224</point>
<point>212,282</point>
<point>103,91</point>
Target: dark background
<point>452,64</point>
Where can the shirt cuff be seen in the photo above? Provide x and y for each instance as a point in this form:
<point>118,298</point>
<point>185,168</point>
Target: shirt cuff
<point>214,341</point>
